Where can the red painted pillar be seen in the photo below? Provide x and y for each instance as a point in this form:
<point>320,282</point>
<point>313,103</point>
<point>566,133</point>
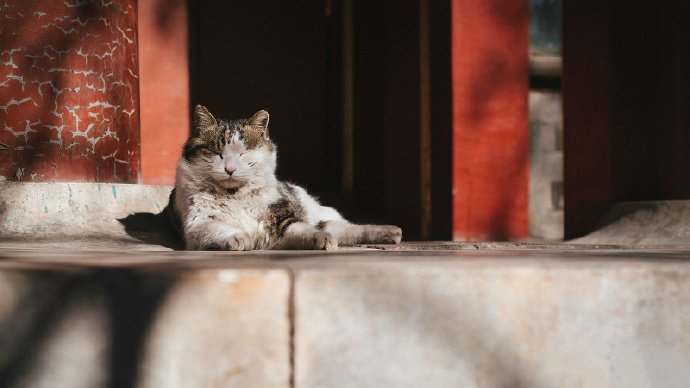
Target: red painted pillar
<point>490,119</point>
<point>164,88</point>
<point>69,106</point>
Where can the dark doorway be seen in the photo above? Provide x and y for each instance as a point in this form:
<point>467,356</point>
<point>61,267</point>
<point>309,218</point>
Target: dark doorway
<point>626,117</point>
<point>343,82</point>
<point>251,55</point>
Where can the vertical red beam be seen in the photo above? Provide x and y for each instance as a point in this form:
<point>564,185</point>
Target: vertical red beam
<point>164,87</point>
<point>490,119</point>
<point>69,107</point>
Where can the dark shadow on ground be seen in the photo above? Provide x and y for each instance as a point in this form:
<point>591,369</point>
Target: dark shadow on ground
<point>153,229</point>
<point>48,300</point>
<point>133,299</point>
<point>28,324</point>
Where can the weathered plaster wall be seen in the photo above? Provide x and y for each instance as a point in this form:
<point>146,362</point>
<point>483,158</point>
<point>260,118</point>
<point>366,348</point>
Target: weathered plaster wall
<point>69,107</point>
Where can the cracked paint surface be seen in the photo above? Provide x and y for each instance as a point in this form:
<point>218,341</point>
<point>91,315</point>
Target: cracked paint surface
<point>69,91</point>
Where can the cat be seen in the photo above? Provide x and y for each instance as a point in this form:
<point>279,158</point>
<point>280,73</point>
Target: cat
<point>227,197</point>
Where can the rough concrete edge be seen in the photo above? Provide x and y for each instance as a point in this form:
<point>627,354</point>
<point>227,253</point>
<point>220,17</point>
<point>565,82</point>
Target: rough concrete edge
<point>496,246</point>
<point>292,322</point>
<point>643,224</point>
<point>63,210</point>
<point>106,198</point>
<point>28,219</point>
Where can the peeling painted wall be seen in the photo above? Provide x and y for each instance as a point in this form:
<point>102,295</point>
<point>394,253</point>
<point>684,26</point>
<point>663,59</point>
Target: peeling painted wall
<point>69,108</point>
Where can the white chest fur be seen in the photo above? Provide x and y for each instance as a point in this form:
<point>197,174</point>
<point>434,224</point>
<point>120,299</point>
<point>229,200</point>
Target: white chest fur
<point>245,210</point>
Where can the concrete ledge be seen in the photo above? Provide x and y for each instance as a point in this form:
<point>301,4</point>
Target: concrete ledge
<point>562,325</point>
<point>122,328</point>
<point>106,216</point>
<point>75,208</point>
<point>374,318</point>
<point>122,213</point>
<point>54,331</point>
<point>220,329</point>
<point>645,224</point>
<point>430,314</point>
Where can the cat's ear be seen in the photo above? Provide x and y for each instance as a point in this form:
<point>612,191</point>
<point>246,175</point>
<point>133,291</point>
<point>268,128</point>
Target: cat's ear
<point>203,119</point>
<point>260,120</point>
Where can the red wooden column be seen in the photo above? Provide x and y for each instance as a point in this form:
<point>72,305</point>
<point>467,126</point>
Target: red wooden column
<point>490,119</point>
<point>164,87</point>
<point>69,98</point>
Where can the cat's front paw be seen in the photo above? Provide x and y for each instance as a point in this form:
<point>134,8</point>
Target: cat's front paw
<point>324,241</point>
<point>388,234</point>
<point>239,242</point>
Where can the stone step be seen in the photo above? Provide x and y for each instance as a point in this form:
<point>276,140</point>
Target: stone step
<point>591,318</point>
<point>101,215</point>
<point>106,217</point>
<point>649,224</point>
<point>85,303</point>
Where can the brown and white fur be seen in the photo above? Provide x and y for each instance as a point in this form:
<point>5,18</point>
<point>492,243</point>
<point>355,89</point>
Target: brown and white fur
<point>227,197</point>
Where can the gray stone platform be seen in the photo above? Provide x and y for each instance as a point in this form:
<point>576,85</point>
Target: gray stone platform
<point>533,318</point>
<point>100,298</point>
<point>107,216</point>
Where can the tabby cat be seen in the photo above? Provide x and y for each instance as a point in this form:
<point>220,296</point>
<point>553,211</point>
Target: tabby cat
<point>227,197</point>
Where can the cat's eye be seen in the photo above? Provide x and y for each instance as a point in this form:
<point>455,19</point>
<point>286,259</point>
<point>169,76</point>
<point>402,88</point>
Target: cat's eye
<point>221,156</point>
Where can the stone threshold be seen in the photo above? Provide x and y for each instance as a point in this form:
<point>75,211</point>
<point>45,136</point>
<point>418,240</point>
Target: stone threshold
<point>130,216</point>
<point>90,299</point>
<point>354,317</point>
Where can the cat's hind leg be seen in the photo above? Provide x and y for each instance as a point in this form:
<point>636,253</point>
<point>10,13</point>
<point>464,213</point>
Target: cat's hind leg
<point>351,234</point>
<point>301,235</point>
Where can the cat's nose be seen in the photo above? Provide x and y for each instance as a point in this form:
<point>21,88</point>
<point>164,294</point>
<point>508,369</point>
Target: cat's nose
<point>230,169</point>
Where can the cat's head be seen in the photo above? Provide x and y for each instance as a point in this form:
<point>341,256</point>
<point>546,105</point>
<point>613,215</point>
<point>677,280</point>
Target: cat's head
<point>232,153</point>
